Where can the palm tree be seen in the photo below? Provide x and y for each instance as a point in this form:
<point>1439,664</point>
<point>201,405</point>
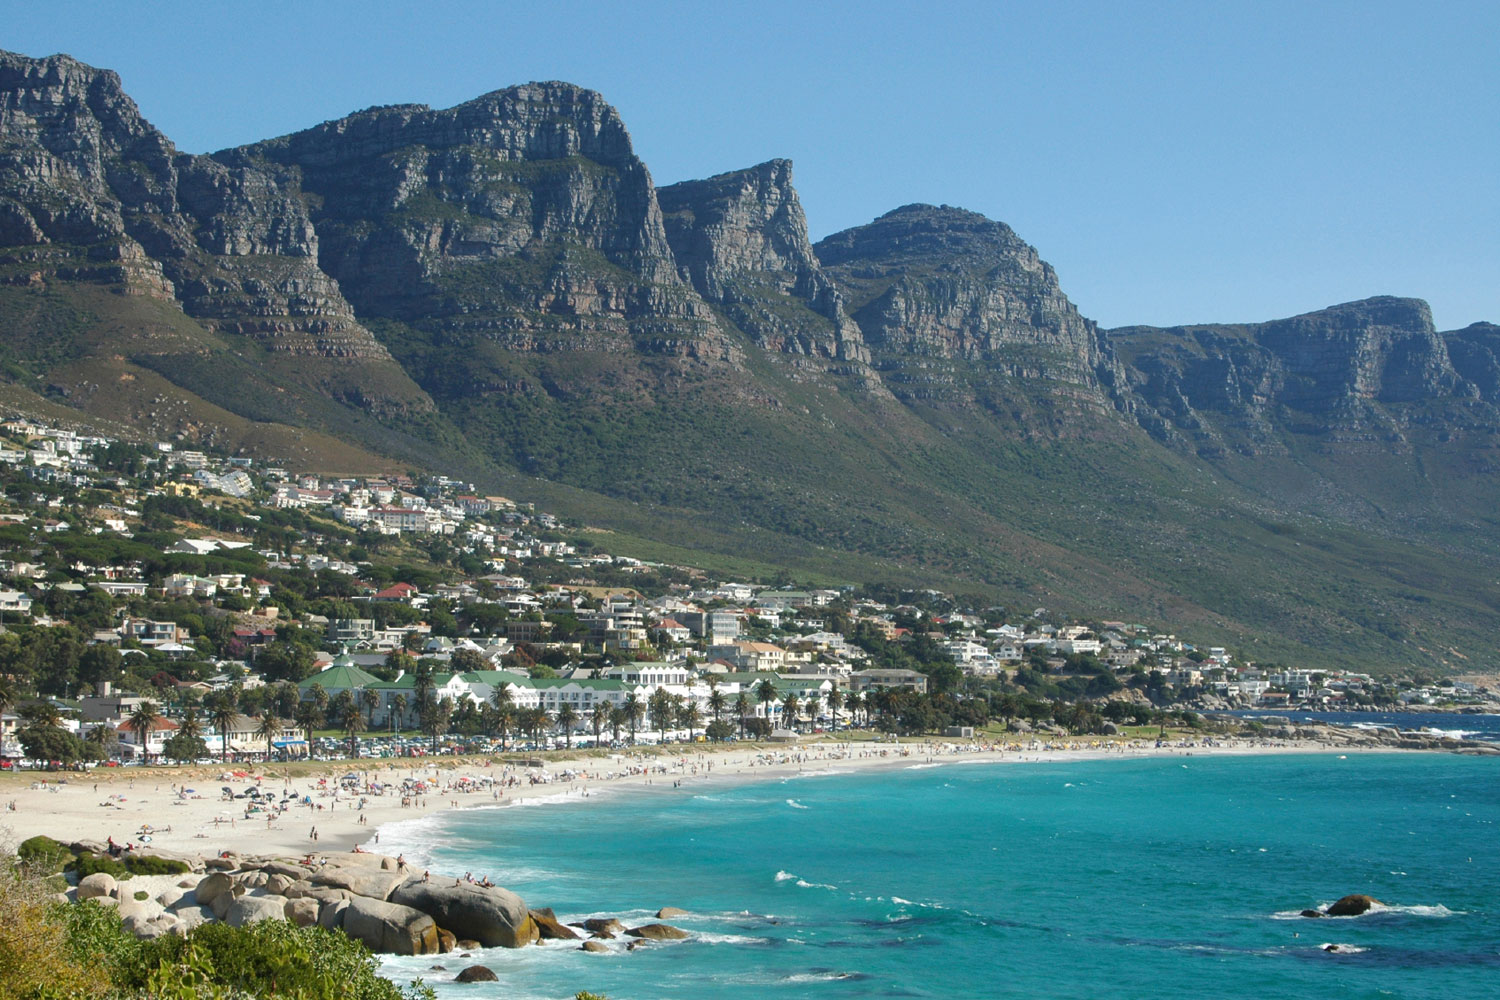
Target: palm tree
<point>617,718</point>
<point>354,724</point>
<point>371,700</point>
<point>688,717</point>
<point>599,718</point>
<point>505,704</point>
<point>142,721</point>
<point>853,701</point>
<point>505,717</point>
<point>285,699</point>
<point>765,693</point>
<point>532,721</point>
<point>40,713</point>
<point>190,726</point>
<point>8,695</point>
<point>435,717</point>
<point>309,717</point>
<point>319,696</point>
<point>567,717</point>
<point>659,705</point>
<point>341,707</point>
<point>834,698</point>
<point>188,700</point>
<point>398,711</point>
<point>716,701</point>
<point>742,709</point>
<point>634,713</point>
<point>789,706</point>
<point>268,730</point>
<point>222,711</point>
<point>421,681</point>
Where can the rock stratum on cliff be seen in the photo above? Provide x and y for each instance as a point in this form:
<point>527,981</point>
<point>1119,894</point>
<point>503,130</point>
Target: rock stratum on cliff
<point>500,291</point>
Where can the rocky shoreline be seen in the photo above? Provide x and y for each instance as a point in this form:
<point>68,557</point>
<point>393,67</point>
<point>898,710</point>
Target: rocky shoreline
<point>1333,736</point>
<point>375,899</point>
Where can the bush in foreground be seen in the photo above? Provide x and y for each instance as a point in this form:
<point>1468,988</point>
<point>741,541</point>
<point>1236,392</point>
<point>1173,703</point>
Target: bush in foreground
<point>56,951</point>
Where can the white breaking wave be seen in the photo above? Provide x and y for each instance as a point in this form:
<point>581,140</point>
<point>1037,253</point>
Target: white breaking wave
<point>1339,948</point>
<point>709,937</point>
<point>818,977</point>
<point>802,883</point>
<point>796,805</point>
<point>1436,912</point>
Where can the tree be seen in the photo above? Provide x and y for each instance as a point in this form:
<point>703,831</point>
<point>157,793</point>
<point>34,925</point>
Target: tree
<point>353,723</point>
<point>505,718</point>
<point>505,704</point>
<point>599,718</point>
<point>398,711</point>
<point>567,718</point>
<point>191,725</point>
<point>467,660</point>
<point>40,713</point>
<point>688,716</point>
<point>284,699</point>
<point>659,705</point>
<point>319,696</point>
<point>99,662</point>
<point>765,693</point>
<point>435,715</point>
<point>421,682</point>
<point>789,706</point>
<point>51,743</point>
<point>742,709</point>
<point>617,718</point>
<point>309,717</point>
<point>285,661</point>
<point>142,721</point>
<point>222,712</point>
<point>104,743</point>
<point>834,699</point>
<point>268,730</point>
<point>369,699</point>
<point>184,747</point>
<point>716,701</point>
<point>719,730</point>
<point>8,695</point>
<point>634,713</point>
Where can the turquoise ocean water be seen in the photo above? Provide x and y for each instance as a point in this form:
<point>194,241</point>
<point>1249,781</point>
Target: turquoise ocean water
<point>1166,877</point>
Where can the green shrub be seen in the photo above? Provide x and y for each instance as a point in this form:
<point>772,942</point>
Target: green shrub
<point>88,864</point>
<point>149,864</point>
<point>269,958</point>
<point>142,895</point>
<point>44,854</point>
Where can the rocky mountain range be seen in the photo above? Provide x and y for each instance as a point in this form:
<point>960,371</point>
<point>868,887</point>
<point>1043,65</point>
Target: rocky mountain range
<point>500,290</point>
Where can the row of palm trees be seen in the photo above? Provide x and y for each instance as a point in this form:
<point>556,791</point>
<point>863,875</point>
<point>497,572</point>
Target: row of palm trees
<point>352,712</point>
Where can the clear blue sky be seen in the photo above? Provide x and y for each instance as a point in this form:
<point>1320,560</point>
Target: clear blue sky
<point>1176,162</point>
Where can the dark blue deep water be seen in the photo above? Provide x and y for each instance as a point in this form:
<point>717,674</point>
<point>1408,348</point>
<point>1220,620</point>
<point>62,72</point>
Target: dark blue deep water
<point>1164,877</point>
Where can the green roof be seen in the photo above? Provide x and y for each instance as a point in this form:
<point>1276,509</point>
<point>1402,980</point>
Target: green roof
<point>340,678</point>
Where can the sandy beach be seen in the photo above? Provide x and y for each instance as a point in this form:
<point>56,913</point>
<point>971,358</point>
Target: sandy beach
<point>334,806</point>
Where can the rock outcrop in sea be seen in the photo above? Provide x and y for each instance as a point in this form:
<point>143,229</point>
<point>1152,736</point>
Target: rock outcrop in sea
<point>375,899</point>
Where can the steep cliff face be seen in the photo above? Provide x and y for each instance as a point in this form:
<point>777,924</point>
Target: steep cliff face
<point>741,239</point>
<point>1475,353</point>
<point>1351,371</point>
<point>521,220</point>
<point>82,171</point>
<point>956,307</point>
